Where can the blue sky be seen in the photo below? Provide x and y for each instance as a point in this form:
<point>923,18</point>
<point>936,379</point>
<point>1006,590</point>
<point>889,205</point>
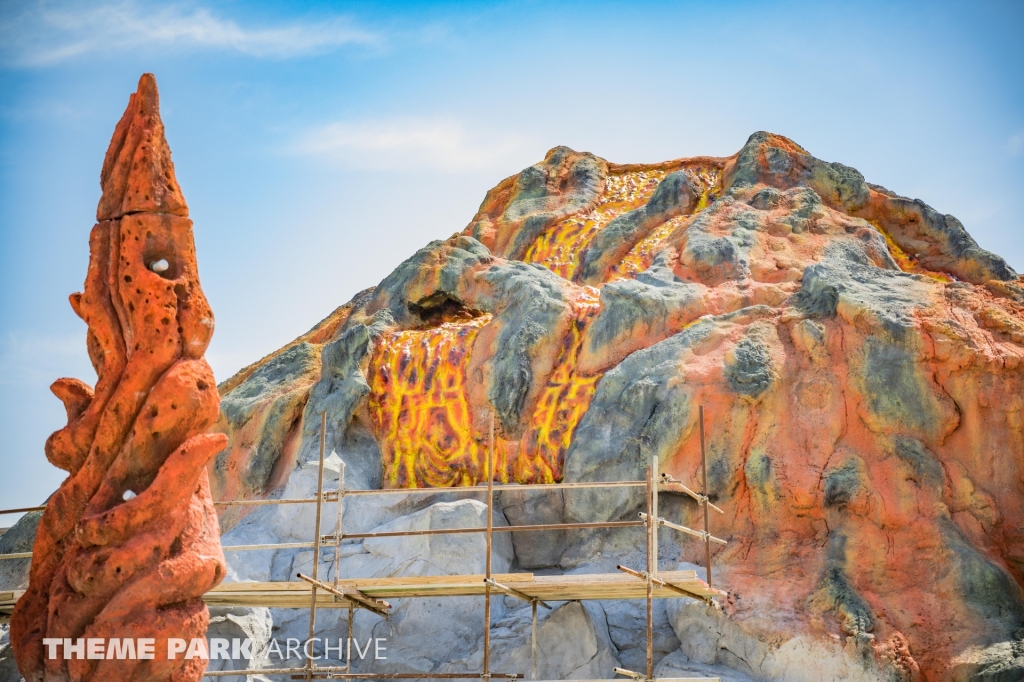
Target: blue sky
<point>320,144</point>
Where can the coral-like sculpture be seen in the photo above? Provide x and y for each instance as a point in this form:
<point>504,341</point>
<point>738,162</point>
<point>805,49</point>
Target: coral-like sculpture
<point>130,542</point>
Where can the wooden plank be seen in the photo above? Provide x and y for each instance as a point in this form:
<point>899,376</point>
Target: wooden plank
<point>541,487</point>
<point>669,576</point>
<point>555,592</point>
<point>440,579</point>
<point>547,587</point>
<point>16,555</point>
<point>359,583</point>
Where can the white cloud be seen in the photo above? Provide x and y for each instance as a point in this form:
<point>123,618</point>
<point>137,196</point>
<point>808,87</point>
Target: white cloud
<point>413,143</point>
<point>1016,143</point>
<point>45,33</point>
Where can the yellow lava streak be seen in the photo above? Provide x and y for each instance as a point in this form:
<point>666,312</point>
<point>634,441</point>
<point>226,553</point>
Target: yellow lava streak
<point>419,403</point>
<point>420,408</point>
<point>642,255</point>
<point>559,247</point>
<point>561,406</point>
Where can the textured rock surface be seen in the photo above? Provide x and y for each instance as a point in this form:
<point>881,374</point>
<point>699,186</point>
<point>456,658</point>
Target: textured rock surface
<point>18,539</point>
<point>241,623</point>
<point>426,635</point>
<point>107,564</point>
<point>8,665</point>
<point>859,356</point>
<point>261,413</point>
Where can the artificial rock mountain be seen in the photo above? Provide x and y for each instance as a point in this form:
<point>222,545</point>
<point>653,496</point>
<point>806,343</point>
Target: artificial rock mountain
<point>129,543</point>
<point>860,359</point>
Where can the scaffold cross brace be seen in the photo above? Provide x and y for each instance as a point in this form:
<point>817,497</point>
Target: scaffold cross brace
<point>515,593</point>
<point>703,535</point>
<point>672,485</point>
<point>380,607</point>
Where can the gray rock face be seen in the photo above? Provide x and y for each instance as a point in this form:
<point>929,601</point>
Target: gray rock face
<point>750,371</point>
<point>572,643</point>
<point>533,549</point>
<point>231,623</point>
<point>575,640</point>
<point>520,209</point>
<point>1000,662</point>
<point>621,426</point>
<point>532,314</point>
<point>421,634</point>
<point>268,389</point>
<point>940,240</point>
<point>716,259</point>
<point>451,626</point>
<point>642,409</point>
<point>944,236</point>
<point>342,386</point>
<point>283,369</point>
<point>677,664</point>
<point>635,311</point>
<point>868,249</point>
<point>427,280</point>
<point>627,626</point>
<point>789,166</point>
<point>19,538</point>
<point>8,668</point>
<point>711,644</point>
<point>889,297</point>
<point>576,644</point>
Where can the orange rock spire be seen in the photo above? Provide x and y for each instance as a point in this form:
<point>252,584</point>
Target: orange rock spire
<point>130,542</point>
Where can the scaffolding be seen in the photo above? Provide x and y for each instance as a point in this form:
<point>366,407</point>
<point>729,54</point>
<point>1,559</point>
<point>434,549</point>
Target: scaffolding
<point>371,594</point>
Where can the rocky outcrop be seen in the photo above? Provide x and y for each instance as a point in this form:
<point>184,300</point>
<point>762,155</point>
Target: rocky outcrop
<point>518,211</point>
<point>19,539</point>
<point>129,542</point>
<point>860,359</point>
<point>263,417</point>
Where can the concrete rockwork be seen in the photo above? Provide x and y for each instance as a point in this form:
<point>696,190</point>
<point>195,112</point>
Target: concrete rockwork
<point>859,357</point>
<point>860,362</point>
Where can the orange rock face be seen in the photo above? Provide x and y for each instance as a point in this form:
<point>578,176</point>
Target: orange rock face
<point>130,542</point>
<point>860,359</point>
